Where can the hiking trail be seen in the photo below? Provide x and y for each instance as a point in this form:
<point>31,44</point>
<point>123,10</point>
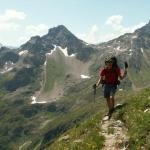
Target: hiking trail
<point>115,135</point>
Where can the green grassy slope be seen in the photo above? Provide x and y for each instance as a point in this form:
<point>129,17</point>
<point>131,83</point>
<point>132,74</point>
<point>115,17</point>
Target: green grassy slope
<point>136,120</point>
<point>38,126</point>
<point>87,135</point>
<point>31,126</point>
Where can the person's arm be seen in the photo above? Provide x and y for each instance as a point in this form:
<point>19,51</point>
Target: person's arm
<point>125,71</point>
<point>98,82</point>
<point>124,75</point>
<point>101,78</point>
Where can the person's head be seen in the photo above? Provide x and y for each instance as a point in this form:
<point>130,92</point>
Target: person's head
<point>108,63</point>
<point>114,62</point>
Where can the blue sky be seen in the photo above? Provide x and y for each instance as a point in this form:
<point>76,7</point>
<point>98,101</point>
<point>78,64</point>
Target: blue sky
<point>94,21</point>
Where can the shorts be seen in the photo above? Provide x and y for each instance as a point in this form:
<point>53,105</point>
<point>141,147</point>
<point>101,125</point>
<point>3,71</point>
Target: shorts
<point>109,90</point>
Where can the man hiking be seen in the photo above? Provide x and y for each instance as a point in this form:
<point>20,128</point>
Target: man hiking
<point>109,79</point>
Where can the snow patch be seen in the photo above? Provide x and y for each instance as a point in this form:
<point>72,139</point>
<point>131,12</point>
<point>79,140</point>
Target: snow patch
<point>35,102</point>
<point>8,66</point>
<point>131,54</point>
<point>24,52</point>
<point>84,76</point>
<point>134,37</point>
<point>52,50</point>
<point>6,70</point>
<point>120,89</point>
<point>118,48</point>
<point>45,63</point>
<point>65,52</point>
<point>72,55</point>
<point>130,50</point>
<point>142,50</point>
<point>108,46</point>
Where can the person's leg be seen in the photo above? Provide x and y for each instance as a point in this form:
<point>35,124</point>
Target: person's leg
<point>112,96</point>
<point>108,102</point>
<point>112,101</point>
<point>110,107</point>
<point>107,96</point>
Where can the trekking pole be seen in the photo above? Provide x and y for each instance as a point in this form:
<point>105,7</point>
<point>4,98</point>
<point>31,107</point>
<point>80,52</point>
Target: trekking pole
<point>94,87</point>
<point>126,65</point>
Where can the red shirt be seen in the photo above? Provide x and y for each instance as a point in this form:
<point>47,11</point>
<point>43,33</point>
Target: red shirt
<point>111,76</point>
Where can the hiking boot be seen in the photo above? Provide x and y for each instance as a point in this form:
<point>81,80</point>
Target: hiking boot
<point>110,113</point>
<point>107,116</point>
<point>111,110</point>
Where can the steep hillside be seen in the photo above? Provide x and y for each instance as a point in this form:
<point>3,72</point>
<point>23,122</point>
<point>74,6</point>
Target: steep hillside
<point>46,85</point>
<point>136,116</point>
<point>61,72</point>
<point>39,124</point>
<point>133,114</point>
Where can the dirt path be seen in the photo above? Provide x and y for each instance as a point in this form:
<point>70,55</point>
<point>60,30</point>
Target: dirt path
<point>115,135</point>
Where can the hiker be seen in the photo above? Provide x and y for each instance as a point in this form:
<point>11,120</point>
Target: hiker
<point>109,79</point>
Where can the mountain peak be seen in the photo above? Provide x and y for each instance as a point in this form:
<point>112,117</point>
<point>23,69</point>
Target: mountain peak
<point>61,36</point>
<point>58,29</point>
<point>61,27</point>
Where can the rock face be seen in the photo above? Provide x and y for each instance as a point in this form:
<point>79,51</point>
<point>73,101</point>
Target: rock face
<point>7,56</point>
<point>59,36</point>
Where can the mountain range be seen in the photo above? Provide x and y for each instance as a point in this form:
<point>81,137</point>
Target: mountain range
<point>45,84</point>
<point>131,47</point>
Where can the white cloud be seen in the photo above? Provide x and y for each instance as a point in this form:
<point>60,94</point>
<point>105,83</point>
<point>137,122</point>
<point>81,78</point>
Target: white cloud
<point>11,15</point>
<point>115,27</point>
<point>32,30</point>
<point>9,20</point>
<point>91,36</point>
<point>14,31</point>
<point>116,23</point>
<point>36,29</point>
<point>8,26</point>
<point>113,20</point>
